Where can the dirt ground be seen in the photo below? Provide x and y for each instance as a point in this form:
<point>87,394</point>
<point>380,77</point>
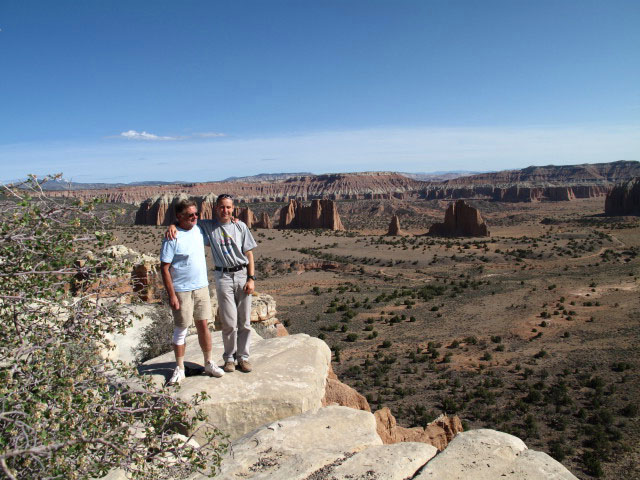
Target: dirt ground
<point>534,330</point>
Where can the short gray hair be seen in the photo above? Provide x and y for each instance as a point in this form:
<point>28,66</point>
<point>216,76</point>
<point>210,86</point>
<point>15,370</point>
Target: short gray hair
<point>182,205</point>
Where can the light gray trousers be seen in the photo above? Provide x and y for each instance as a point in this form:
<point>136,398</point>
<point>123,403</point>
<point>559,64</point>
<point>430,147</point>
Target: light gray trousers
<point>235,314</point>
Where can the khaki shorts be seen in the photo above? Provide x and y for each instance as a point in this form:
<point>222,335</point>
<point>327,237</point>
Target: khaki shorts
<point>194,305</point>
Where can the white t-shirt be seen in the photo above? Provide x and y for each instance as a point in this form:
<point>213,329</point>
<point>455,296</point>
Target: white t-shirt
<point>188,262</point>
<point>228,241</point>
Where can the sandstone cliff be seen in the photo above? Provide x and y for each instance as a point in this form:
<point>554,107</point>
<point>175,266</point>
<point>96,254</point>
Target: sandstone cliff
<point>320,214</point>
<point>394,227</point>
<point>624,199</point>
<point>338,186</point>
<point>460,219</point>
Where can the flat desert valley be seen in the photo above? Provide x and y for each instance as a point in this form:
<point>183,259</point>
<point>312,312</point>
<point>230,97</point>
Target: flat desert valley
<point>533,330</point>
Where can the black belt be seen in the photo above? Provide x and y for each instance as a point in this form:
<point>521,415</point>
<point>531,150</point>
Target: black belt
<point>230,269</point>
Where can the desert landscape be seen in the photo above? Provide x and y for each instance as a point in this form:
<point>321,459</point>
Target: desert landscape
<point>532,330</point>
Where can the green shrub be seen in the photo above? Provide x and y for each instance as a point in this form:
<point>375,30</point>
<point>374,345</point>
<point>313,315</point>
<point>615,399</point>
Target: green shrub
<point>67,411</point>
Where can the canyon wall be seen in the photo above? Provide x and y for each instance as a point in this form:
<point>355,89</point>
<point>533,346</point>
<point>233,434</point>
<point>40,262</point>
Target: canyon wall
<point>624,199</point>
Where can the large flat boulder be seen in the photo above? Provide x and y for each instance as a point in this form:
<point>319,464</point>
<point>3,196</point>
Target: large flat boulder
<point>309,445</point>
<point>488,454</point>
<point>386,462</point>
<point>288,378</point>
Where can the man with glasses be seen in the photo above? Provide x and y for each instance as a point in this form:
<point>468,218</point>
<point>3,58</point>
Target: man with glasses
<point>184,273</point>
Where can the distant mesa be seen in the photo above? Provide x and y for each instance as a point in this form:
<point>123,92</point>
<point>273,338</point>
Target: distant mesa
<point>532,184</point>
<point>394,227</point>
<point>624,199</point>
<point>320,214</point>
<point>460,220</point>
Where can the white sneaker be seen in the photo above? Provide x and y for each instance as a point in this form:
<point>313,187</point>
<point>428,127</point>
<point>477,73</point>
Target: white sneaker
<point>177,377</point>
<point>213,370</point>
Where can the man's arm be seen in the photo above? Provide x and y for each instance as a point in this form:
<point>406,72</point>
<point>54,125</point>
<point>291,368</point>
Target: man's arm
<point>249,287</point>
<point>168,285</point>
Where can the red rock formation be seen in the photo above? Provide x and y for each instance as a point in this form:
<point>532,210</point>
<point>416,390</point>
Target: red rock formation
<point>244,214</point>
<point>337,392</point>
<point>624,199</point>
<point>438,433</point>
<point>320,214</point>
<point>460,219</point>
<point>394,227</point>
<point>264,222</point>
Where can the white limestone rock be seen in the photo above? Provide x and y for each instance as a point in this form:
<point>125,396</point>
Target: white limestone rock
<point>488,454</point>
<point>125,344</point>
<point>386,462</point>
<point>296,447</point>
<point>288,378</point>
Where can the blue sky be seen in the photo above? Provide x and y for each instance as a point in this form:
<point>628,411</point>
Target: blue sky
<point>123,91</point>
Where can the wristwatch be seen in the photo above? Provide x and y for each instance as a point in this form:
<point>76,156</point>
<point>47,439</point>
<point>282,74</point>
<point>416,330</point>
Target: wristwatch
<point>252,277</point>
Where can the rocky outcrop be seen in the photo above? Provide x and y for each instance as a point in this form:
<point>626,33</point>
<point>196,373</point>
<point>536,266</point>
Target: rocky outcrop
<point>320,214</point>
<point>488,454</point>
<point>394,227</point>
<point>438,433</point>
<point>341,443</point>
<point>279,429</point>
<point>289,376</point>
<point>297,447</point>
<point>160,210</point>
<point>460,219</point>
<point>624,199</point>
<point>264,222</point>
<point>144,279</point>
<point>338,393</point>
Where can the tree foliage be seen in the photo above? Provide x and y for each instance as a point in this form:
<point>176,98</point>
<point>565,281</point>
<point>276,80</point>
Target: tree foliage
<point>67,411</point>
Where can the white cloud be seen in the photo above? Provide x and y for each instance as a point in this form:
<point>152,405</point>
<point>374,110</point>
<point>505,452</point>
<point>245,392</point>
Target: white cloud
<point>208,135</point>
<point>134,135</point>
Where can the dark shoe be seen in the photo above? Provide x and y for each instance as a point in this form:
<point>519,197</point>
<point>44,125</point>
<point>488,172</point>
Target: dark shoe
<point>229,367</point>
<point>244,366</point>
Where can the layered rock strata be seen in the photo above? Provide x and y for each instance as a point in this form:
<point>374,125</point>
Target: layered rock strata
<point>338,186</point>
<point>624,199</point>
<point>320,214</point>
<point>515,193</point>
<point>460,219</point>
